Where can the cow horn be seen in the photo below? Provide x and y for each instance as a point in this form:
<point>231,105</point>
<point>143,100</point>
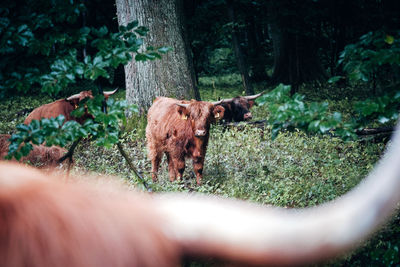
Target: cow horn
<point>75,96</point>
<point>252,97</point>
<point>227,100</point>
<point>182,105</point>
<point>272,235</point>
<point>217,102</point>
<point>108,93</point>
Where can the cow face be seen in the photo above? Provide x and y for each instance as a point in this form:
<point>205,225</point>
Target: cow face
<point>238,108</point>
<point>200,115</point>
<point>75,99</point>
<point>241,108</point>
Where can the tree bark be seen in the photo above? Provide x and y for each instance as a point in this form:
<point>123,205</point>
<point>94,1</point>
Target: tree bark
<point>173,75</point>
<point>240,59</point>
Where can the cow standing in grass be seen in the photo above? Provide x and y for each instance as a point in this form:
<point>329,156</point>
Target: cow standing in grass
<point>63,107</point>
<point>238,108</point>
<point>179,129</point>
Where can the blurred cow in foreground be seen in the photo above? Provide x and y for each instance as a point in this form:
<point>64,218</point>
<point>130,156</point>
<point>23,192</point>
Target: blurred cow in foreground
<point>40,156</point>
<point>63,107</point>
<point>46,223</point>
<point>179,129</point>
<point>238,108</point>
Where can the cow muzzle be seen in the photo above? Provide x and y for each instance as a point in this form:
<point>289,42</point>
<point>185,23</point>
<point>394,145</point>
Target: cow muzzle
<point>200,133</point>
<point>248,116</point>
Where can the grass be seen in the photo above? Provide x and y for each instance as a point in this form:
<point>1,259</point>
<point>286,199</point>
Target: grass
<point>294,170</point>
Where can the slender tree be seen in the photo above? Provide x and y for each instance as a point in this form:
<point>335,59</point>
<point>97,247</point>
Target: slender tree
<point>173,75</point>
<point>295,51</point>
<point>240,58</point>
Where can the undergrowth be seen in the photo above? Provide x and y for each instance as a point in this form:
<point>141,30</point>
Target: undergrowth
<point>294,170</point>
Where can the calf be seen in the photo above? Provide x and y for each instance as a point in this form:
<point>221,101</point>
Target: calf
<point>238,108</point>
<point>179,129</point>
<point>40,156</point>
<point>63,107</point>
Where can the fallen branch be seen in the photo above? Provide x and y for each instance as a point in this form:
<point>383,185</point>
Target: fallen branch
<point>130,164</point>
<point>381,131</point>
<point>371,131</point>
<point>69,154</point>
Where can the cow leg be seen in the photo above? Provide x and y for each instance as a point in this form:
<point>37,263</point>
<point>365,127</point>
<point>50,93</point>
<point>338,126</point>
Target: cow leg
<point>198,163</point>
<point>171,168</point>
<point>155,164</point>
<point>179,164</point>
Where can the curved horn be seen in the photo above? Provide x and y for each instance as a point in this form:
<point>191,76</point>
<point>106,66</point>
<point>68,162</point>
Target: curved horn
<point>108,93</point>
<point>252,97</point>
<point>217,102</point>
<point>227,100</point>
<point>75,96</point>
<point>182,105</point>
<point>260,235</point>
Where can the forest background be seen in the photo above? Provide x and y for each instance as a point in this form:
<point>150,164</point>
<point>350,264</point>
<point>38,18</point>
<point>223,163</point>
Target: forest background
<point>339,62</point>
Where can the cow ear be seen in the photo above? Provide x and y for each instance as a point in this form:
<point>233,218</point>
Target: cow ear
<point>218,112</point>
<point>183,112</point>
<point>251,103</point>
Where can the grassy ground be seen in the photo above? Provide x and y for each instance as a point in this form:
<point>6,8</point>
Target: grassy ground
<point>294,170</point>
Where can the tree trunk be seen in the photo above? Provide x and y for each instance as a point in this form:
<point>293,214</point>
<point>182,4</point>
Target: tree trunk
<point>295,53</point>
<point>257,55</point>
<point>240,59</point>
<point>173,75</point>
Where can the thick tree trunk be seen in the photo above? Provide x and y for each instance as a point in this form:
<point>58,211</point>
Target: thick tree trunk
<point>240,59</point>
<point>295,59</point>
<point>173,75</point>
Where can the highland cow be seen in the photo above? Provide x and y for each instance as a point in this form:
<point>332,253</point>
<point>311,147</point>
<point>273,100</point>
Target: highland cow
<point>238,108</point>
<point>40,156</point>
<point>179,129</point>
<point>63,107</point>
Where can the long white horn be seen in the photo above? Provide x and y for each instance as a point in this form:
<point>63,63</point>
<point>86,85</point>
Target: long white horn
<point>182,105</point>
<point>227,100</point>
<point>252,97</point>
<point>217,102</point>
<point>108,93</point>
<point>249,233</point>
<point>72,97</point>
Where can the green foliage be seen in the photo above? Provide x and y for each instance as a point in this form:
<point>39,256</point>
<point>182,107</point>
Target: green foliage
<point>375,53</point>
<point>383,109</point>
<point>55,40</point>
<point>292,112</point>
<point>49,45</point>
<point>104,128</point>
<point>112,49</point>
<point>221,80</point>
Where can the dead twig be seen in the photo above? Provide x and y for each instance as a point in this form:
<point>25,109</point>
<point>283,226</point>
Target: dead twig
<point>130,164</point>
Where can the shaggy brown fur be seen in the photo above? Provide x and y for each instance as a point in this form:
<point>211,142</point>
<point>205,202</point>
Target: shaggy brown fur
<point>59,107</point>
<point>238,109</point>
<point>63,107</point>
<point>46,223</point>
<point>40,156</point>
<point>179,132</point>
